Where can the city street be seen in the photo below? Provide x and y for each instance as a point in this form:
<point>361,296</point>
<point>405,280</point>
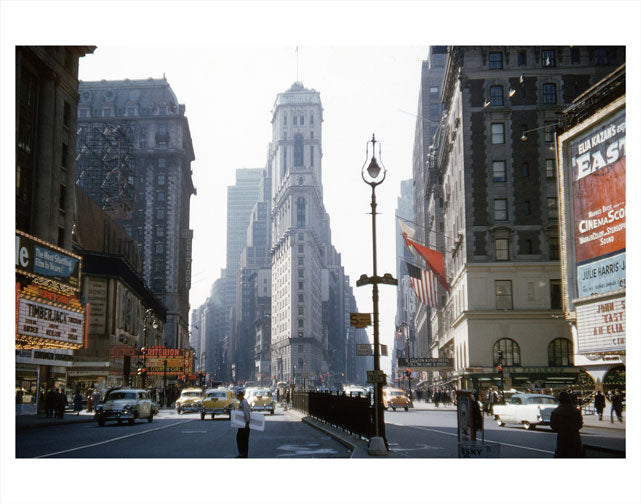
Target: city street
<point>431,433</point>
<point>177,436</point>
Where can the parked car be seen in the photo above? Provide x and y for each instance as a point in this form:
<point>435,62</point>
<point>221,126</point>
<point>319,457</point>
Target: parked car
<point>217,401</point>
<point>395,398</point>
<point>125,404</point>
<point>355,390</point>
<point>261,400</point>
<point>189,400</point>
<point>528,410</point>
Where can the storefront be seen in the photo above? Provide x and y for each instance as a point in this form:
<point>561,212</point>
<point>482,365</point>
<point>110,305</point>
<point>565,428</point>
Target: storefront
<point>50,319</point>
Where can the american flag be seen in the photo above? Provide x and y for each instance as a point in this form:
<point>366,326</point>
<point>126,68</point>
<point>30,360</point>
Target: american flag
<point>424,284</point>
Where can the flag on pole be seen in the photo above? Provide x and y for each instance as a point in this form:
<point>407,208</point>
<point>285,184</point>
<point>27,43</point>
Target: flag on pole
<point>407,231</point>
<point>424,284</point>
<point>434,259</point>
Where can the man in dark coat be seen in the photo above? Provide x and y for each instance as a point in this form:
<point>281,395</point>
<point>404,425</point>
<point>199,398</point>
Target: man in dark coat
<point>50,402</point>
<point>599,404</point>
<point>566,421</point>
<point>617,406</point>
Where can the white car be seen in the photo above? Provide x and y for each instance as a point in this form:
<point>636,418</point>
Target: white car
<point>125,404</point>
<point>528,410</point>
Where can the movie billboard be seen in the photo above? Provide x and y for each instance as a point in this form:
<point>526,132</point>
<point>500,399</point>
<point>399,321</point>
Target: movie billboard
<point>598,189</point>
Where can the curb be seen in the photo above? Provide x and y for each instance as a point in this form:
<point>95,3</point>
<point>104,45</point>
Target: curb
<point>31,425</point>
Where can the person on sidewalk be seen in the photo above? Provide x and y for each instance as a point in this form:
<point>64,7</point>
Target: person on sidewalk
<point>599,404</point>
<point>61,403</point>
<point>242,435</point>
<point>77,402</point>
<point>617,406</point>
<point>566,420</point>
<point>50,402</point>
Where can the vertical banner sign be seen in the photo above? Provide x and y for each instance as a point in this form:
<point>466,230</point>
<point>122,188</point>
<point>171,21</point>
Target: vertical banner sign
<point>598,188</point>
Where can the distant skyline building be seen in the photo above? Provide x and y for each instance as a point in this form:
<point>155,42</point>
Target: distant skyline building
<point>300,237</point>
<point>144,121</point>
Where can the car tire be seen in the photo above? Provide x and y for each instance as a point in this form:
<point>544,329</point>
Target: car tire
<point>406,408</point>
<point>179,411</point>
<point>271,412</point>
<point>529,426</point>
<point>500,422</point>
<point>101,421</point>
<point>213,415</point>
<point>393,408</point>
<point>202,416</point>
<point>150,418</point>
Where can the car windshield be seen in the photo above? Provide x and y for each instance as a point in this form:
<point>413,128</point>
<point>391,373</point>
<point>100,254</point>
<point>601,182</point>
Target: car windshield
<point>190,394</point>
<point>542,400</point>
<point>396,394</point>
<point>217,395</point>
<point>115,396</point>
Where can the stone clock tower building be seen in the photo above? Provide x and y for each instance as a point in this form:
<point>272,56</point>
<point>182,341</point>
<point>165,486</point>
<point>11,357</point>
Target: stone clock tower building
<point>301,240</point>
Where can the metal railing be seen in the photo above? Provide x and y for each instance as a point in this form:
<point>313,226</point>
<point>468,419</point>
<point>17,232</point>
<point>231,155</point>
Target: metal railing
<point>349,413</point>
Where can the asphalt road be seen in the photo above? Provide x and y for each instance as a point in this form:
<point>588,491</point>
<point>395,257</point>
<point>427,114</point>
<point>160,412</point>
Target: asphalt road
<point>177,436</point>
<point>432,434</point>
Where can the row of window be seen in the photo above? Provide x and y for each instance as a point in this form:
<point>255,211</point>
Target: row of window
<point>497,94</point>
<point>298,120</point>
<point>501,208</point>
<point>499,173</point>
<point>128,111</point>
<point>548,58</point>
<point>502,248</point>
<point>504,296</point>
<point>560,353</point>
<point>498,132</point>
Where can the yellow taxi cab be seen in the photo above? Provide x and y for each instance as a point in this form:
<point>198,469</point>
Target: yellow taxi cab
<point>395,398</point>
<point>261,399</point>
<point>189,400</point>
<point>218,401</point>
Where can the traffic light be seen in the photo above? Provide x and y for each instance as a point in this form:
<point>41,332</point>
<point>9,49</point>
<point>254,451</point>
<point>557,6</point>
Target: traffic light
<point>408,373</point>
<point>500,356</point>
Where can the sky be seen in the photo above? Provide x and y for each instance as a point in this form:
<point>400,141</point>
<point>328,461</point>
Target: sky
<point>229,93</point>
<point>226,62</point>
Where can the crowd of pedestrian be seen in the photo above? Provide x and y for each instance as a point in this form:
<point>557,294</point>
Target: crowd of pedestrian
<point>55,403</point>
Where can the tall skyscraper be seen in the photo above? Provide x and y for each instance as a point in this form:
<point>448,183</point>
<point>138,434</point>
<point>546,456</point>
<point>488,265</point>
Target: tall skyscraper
<point>142,177</point>
<point>300,236</point>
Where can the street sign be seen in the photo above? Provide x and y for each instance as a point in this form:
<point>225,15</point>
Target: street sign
<point>426,363</point>
<point>360,320</point>
<point>384,350</point>
<point>376,377</point>
<point>364,349</point>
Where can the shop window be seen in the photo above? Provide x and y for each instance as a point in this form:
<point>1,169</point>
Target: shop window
<point>560,353</point>
<point>510,353</point>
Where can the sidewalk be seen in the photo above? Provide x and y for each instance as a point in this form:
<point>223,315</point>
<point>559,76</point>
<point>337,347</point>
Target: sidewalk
<point>33,421</point>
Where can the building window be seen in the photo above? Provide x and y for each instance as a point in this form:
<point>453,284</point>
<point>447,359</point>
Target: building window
<point>525,169</point>
<point>162,163</point>
<point>502,249</point>
<point>300,286</point>
<point>161,179</point>
<point>527,209</point>
<point>107,112</point>
<point>496,95</point>
<point>298,150</point>
<point>550,172</point>
<point>555,295</point>
<point>301,322</point>
<point>498,133</point>
<point>160,213</point>
<point>549,93</point>
<point>311,119</point>
<point>311,153</point>
<point>301,298</point>
<point>131,111</point>
<point>500,209</point>
<point>300,310</point>
<point>66,115</point>
<point>300,212</point>
<point>301,273</point>
<point>496,60</point>
<point>435,109</point>
<point>160,231</point>
<point>301,236</point>
<point>527,247</point>
<point>159,248</point>
<point>511,353</point>
<point>295,120</point>
<point>301,249</point>
<point>522,58</point>
<point>601,56</point>
<point>548,57</point>
<point>302,120</point>
<point>160,196</point>
<point>575,55</point>
<point>553,211</point>
<point>498,171</point>
<point>142,139</point>
<point>301,261</point>
<point>549,131</point>
<point>554,248</point>
<point>64,156</point>
<point>62,196</point>
<point>560,353</point>
<point>503,294</point>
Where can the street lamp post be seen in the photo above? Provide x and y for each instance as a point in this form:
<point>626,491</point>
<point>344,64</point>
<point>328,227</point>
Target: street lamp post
<point>409,371</point>
<point>377,444</point>
<point>149,313</point>
<point>164,382</point>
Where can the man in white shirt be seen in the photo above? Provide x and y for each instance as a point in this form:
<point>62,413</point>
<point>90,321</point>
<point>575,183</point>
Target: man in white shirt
<point>242,436</point>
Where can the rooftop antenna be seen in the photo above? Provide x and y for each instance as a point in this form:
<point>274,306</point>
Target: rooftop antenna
<point>296,63</point>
